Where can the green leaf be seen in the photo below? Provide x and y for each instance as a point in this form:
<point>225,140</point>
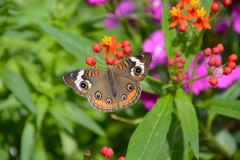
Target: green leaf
<point>69,144</point>
<point>18,87</point>
<point>188,117</point>
<point>226,107</point>
<point>4,154</point>
<point>226,143</point>
<point>78,46</point>
<point>27,141</point>
<point>59,113</point>
<point>74,113</point>
<point>152,85</point>
<point>148,141</point>
<point>169,34</point>
<point>40,152</point>
<point>178,142</point>
<point>41,107</point>
<point>232,92</point>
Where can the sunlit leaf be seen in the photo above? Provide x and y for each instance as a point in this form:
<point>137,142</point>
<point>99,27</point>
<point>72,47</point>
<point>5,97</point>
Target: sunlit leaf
<point>40,152</point>
<point>226,107</point>
<point>69,144</point>
<point>74,113</point>
<point>41,106</point>
<point>18,87</point>
<point>188,118</point>
<point>148,141</point>
<point>27,141</point>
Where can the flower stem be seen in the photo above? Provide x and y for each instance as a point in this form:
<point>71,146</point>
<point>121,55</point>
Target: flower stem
<point>192,80</point>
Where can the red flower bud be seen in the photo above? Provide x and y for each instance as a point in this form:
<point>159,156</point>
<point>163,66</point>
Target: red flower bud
<point>121,158</point>
<point>109,153</point>
<point>215,50</point>
<point>227,70</point>
<point>183,27</point>
<point>91,61</point>
<point>215,6</point>
<point>177,59</point>
<point>97,48</point>
<point>227,3</point>
<point>233,58</point>
<point>119,55</point>
<point>207,52</point>
<point>115,62</point>
<point>220,47</point>
<point>218,63</point>
<point>127,50</point>
<point>183,60</point>
<point>109,61</point>
<point>178,54</point>
<point>171,61</point>
<point>179,65</point>
<point>213,81</point>
<point>232,65</point>
<point>125,43</point>
<point>103,151</point>
<point>212,61</point>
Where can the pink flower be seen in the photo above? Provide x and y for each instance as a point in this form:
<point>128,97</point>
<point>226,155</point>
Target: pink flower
<point>155,7</point>
<point>97,2</point>
<point>149,99</point>
<point>124,9</point>
<point>155,45</point>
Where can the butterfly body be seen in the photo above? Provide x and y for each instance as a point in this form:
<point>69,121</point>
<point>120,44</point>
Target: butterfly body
<point>113,88</point>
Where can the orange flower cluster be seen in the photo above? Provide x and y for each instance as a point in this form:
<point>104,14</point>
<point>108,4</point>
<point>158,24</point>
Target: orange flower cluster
<point>194,12</point>
<point>111,46</point>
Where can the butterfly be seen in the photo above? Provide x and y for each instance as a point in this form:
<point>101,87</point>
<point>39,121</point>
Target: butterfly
<point>116,87</point>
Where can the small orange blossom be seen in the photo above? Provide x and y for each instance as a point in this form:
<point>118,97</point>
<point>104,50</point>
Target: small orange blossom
<point>202,21</point>
<point>110,44</point>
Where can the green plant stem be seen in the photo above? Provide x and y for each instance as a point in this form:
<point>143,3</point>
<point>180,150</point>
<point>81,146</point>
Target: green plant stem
<point>134,122</point>
<point>193,73</point>
<point>192,80</point>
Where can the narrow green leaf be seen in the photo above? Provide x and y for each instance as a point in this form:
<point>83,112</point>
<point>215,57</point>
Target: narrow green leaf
<point>188,117</point>
<point>226,107</point>
<point>74,113</point>
<point>41,107</point>
<point>18,87</point>
<point>69,144</point>
<point>40,152</point>
<point>177,140</point>
<point>59,113</point>
<point>27,141</point>
<point>4,154</point>
<point>226,143</point>
<point>78,46</point>
<point>152,85</point>
<point>170,35</point>
<point>148,141</point>
<point>232,92</point>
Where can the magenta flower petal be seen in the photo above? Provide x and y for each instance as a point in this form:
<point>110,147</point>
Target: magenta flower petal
<point>148,99</point>
<point>236,24</point>
<point>111,21</point>
<point>97,2</point>
<point>125,8</point>
<point>226,81</point>
<point>156,46</point>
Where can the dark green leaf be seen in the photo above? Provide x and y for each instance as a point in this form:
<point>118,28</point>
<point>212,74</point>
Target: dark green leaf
<point>77,115</point>
<point>232,92</point>
<point>18,87</point>
<point>226,107</point>
<point>27,141</point>
<point>152,85</point>
<point>188,117</point>
<point>169,34</point>
<point>178,142</point>
<point>148,141</point>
